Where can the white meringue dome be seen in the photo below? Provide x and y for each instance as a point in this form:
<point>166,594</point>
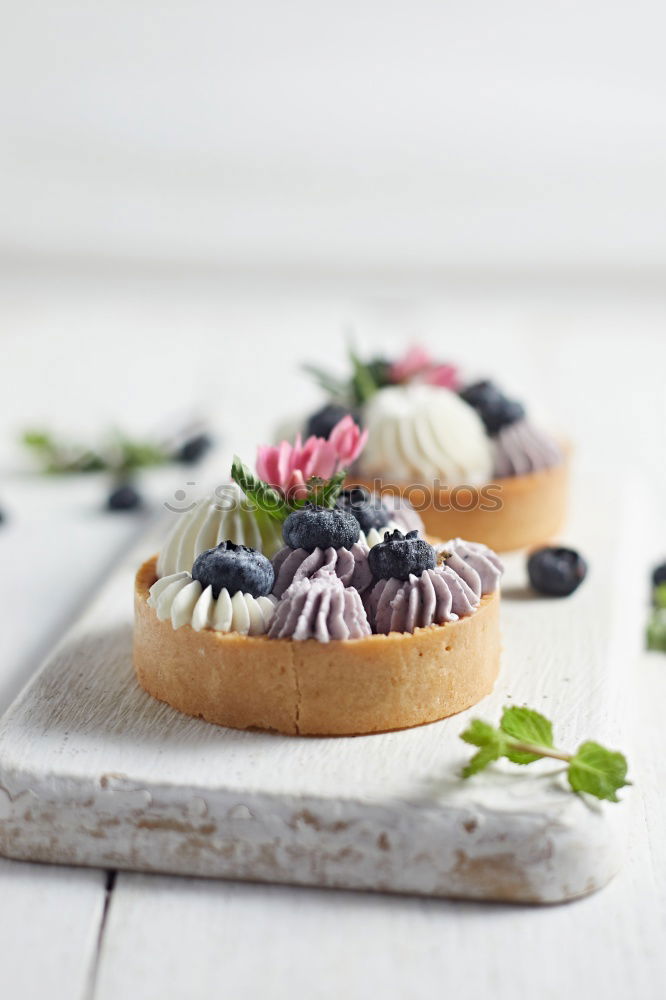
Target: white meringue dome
<point>421,433</point>
<point>215,519</point>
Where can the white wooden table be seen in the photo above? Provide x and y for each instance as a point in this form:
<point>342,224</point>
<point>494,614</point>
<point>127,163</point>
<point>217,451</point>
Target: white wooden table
<point>94,935</point>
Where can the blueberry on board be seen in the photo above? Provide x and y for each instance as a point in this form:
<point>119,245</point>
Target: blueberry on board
<point>124,497</point>
<point>556,571</point>
<point>400,555</point>
<point>659,575</point>
<point>236,567</point>
<point>495,409</point>
<point>314,527</point>
<point>193,449</point>
<point>368,509</point>
<point>324,420</point>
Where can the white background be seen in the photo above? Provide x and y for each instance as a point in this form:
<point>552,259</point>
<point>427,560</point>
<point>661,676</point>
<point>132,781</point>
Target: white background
<point>404,136</point>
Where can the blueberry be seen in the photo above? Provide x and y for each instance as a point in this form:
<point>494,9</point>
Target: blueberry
<point>400,555</point>
<point>659,575</point>
<point>314,527</point>
<point>324,420</point>
<point>556,571</point>
<point>236,567</point>
<point>193,449</point>
<point>368,509</point>
<point>124,497</point>
<point>494,408</point>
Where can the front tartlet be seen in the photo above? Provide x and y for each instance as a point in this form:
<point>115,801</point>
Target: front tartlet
<point>343,687</point>
<point>330,637</point>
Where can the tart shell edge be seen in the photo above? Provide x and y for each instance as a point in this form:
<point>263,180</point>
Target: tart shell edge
<point>532,508</point>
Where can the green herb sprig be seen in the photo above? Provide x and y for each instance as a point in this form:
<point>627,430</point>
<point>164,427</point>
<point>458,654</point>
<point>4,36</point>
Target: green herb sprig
<point>525,735</point>
<point>260,493</point>
<point>119,454</point>
<point>366,378</point>
<point>322,492</point>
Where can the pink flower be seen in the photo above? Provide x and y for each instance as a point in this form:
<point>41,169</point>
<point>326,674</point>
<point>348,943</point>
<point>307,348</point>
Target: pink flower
<point>445,376</point>
<point>417,365</point>
<point>413,362</point>
<point>288,467</point>
<point>348,440</point>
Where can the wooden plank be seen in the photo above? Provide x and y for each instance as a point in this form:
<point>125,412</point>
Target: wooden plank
<point>50,918</point>
<point>49,926</point>
<point>95,772</point>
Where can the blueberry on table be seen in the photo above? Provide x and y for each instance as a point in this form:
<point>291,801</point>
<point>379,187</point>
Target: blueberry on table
<point>659,575</point>
<point>321,423</point>
<point>236,567</point>
<point>193,449</point>
<point>314,527</point>
<point>495,409</point>
<point>368,509</point>
<point>124,497</point>
<point>400,555</point>
<point>556,571</point>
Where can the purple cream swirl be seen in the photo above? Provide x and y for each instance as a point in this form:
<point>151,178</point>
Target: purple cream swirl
<point>520,448</point>
<point>320,607</point>
<point>437,596</point>
<point>475,563</point>
<point>350,565</point>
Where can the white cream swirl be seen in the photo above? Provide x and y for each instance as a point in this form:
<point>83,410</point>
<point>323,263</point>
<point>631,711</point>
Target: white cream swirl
<point>421,433</point>
<point>223,516</point>
<point>185,602</point>
<point>376,535</point>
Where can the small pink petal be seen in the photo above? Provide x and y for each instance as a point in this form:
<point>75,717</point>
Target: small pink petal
<point>445,376</point>
<point>414,360</point>
<point>348,440</point>
<point>296,488</point>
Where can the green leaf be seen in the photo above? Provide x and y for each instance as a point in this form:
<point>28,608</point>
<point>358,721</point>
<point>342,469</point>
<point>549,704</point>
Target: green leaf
<point>481,759</point>
<point>659,596</point>
<point>491,742</point>
<point>479,733</point>
<point>336,388</point>
<point>324,492</point>
<point>598,771</point>
<point>39,440</point>
<point>526,726</point>
<point>656,630</point>
<point>140,454</point>
<point>363,383</point>
<point>258,492</point>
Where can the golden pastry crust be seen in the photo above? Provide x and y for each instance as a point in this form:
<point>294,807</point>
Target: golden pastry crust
<point>350,687</point>
<point>510,513</point>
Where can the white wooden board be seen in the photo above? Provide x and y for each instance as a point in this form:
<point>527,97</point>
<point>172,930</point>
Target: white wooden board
<point>95,772</point>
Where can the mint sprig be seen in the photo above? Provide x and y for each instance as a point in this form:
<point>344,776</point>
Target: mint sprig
<point>366,378</point>
<point>525,735</point>
<point>119,454</point>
